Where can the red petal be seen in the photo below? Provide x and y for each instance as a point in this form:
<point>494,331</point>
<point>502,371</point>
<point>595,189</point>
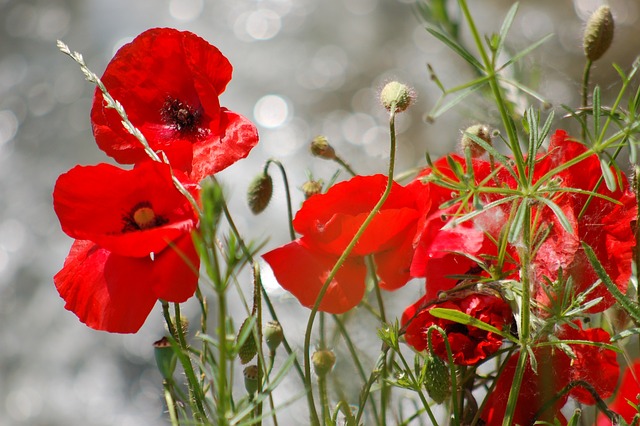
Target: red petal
<point>175,271</point>
<point>93,201</point>
<point>303,271</point>
<point>106,291</point>
<point>237,137</point>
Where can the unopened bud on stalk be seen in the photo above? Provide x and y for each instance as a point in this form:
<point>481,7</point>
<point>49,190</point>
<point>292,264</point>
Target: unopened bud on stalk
<point>598,34</point>
<point>184,324</point>
<point>248,349</point>
<point>273,335</point>
<point>311,188</point>
<point>259,193</point>
<point>165,357</point>
<point>323,361</point>
<point>320,147</point>
<point>251,379</point>
<point>481,131</point>
<point>437,379</point>
<point>398,94</point>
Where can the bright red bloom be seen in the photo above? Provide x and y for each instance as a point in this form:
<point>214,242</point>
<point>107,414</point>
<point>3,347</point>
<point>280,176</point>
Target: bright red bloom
<point>469,345</point>
<point>169,82</point>
<point>553,374</point>
<point>328,222</point>
<point>555,371</point>
<point>605,225</point>
<point>133,247</point>
<point>628,392</point>
<point>594,365</point>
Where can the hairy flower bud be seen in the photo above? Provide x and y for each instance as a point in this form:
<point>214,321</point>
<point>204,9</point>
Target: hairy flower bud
<point>248,349</point>
<point>323,361</point>
<point>437,378</point>
<point>311,188</point>
<point>598,34</point>
<point>273,335</point>
<point>398,94</point>
<point>481,131</point>
<point>251,379</point>
<point>320,147</point>
<point>259,193</point>
<point>165,357</point>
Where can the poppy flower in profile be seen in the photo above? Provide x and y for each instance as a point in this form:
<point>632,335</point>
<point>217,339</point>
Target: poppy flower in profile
<point>469,345</point>
<point>168,82</point>
<point>133,243</point>
<point>328,222</point>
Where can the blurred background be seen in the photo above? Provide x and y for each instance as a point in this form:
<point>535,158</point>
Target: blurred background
<point>301,68</point>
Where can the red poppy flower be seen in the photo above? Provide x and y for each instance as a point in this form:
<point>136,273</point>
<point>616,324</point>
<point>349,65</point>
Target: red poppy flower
<point>555,371</point>
<point>169,82</point>
<point>628,393</point>
<point>469,345</point>
<point>328,222</point>
<point>133,247</point>
<point>537,389</point>
<point>594,365</point>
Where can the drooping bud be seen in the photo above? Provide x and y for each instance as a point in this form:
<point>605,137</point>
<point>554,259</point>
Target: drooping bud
<point>437,378</point>
<point>273,335</point>
<point>482,132</point>
<point>398,94</point>
<point>320,147</point>
<point>165,357</point>
<point>251,379</point>
<point>259,193</point>
<point>598,33</point>
<point>323,361</point>
<point>311,188</point>
<point>248,349</point>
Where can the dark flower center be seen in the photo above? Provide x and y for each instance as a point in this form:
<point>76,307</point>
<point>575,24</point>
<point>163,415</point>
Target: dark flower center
<point>142,217</point>
<point>181,116</point>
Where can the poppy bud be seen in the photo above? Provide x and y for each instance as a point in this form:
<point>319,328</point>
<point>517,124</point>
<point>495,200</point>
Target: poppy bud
<point>310,188</point>
<point>320,147</point>
<point>184,324</point>
<point>323,361</point>
<point>481,131</point>
<point>165,357</point>
<point>397,94</point>
<point>437,378</point>
<point>251,379</point>
<point>248,349</point>
<point>259,193</point>
<point>598,34</point>
<point>273,335</point>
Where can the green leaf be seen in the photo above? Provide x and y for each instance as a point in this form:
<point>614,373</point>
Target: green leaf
<point>462,318</point>
<point>439,110</point>
<point>627,304</point>
<point>515,229</point>
<point>525,52</point>
<point>558,212</point>
<point>506,25</point>
<point>453,45</point>
<point>607,174</point>
<point>625,334</point>
<point>597,112</point>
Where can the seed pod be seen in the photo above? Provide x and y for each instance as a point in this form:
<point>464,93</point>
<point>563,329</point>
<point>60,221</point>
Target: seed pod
<point>249,349</point>
<point>320,147</point>
<point>398,94</point>
<point>481,131</point>
<point>311,188</point>
<point>251,379</point>
<point>437,379</point>
<point>273,335</point>
<point>598,33</point>
<point>259,193</point>
<point>323,361</point>
<point>165,357</point>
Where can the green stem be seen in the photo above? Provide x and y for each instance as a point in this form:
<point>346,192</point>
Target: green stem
<point>222,358</point>
<point>265,295</point>
<point>585,92</point>
<point>292,232</point>
<point>341,260</point>
<point>171,405</point>
<point>344,165</point>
